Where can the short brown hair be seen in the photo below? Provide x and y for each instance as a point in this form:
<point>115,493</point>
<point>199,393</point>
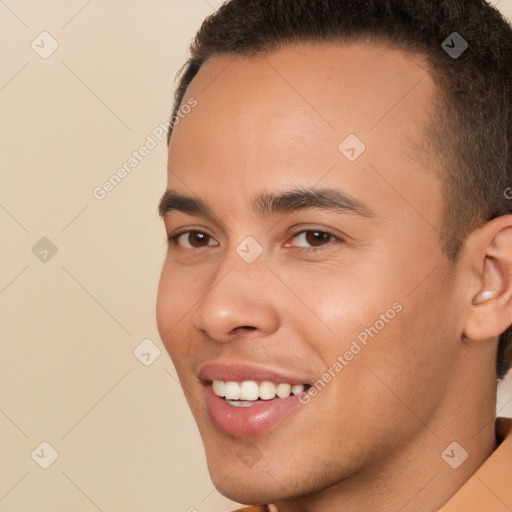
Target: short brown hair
<point>471,124</point>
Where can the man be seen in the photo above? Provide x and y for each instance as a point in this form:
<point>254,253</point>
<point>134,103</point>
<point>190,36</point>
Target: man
<point>336,292</point>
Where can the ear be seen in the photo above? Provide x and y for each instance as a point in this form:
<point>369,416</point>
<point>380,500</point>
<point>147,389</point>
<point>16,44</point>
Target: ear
<point>489,253</point>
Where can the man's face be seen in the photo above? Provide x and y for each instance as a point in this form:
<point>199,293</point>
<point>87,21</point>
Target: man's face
<point>291,291</point>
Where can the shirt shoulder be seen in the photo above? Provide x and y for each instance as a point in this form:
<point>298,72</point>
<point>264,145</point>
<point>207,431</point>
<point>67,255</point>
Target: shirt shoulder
<point>252,509</point>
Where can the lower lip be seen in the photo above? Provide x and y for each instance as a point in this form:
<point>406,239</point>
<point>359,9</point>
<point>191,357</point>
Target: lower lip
<point>261,417</point>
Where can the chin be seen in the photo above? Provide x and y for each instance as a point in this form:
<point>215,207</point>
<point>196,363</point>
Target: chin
<point>246,485</point>
<point>246,496</point>
<point>264,483</point>
<point>258,490</point>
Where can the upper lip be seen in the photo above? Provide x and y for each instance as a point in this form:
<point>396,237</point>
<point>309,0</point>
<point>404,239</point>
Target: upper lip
<point>239,372</point>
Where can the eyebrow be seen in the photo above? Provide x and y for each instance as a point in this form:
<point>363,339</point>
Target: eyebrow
<point>291,201</point>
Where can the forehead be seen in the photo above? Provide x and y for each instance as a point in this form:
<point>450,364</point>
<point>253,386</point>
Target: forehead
<point>344,85</point>
<point>280,117</point>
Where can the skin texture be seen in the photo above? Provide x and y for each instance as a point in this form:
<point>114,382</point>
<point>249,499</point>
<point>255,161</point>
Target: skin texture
<point>372,438</point>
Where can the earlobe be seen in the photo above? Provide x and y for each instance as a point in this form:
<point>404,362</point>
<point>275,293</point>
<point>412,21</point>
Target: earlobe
<point>491,254</point>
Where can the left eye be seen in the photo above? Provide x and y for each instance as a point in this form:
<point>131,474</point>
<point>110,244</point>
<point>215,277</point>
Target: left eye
<point>312,238</point>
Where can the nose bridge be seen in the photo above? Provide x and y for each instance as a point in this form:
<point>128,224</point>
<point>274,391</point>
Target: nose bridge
<point>244,262</point>
<point>239,295</point>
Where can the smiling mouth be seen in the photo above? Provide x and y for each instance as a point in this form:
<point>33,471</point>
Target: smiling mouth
<point>249,392</point>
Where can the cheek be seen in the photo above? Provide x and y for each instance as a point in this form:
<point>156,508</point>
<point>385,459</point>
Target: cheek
<point>405,367</point>
<point>175,300</point>
<point>395,345</point>
<point>334,303</point>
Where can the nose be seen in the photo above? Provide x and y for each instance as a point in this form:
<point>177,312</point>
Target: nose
<point>239,301</point>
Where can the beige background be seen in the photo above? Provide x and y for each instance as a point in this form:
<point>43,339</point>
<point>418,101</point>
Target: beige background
<point>69,325</point>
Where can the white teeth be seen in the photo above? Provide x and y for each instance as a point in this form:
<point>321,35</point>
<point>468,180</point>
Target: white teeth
<point>283,390</point>
<point>267,390</point>
<point>219,387</point>
<point>232,391</point>
<point>298,388</point>
<point>240,403</point>
<point>249,391</point>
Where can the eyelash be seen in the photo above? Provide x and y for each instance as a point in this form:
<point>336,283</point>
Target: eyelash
<point>174,239</point>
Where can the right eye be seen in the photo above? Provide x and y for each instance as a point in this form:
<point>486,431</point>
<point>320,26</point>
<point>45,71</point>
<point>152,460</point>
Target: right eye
<point>192,239</point>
